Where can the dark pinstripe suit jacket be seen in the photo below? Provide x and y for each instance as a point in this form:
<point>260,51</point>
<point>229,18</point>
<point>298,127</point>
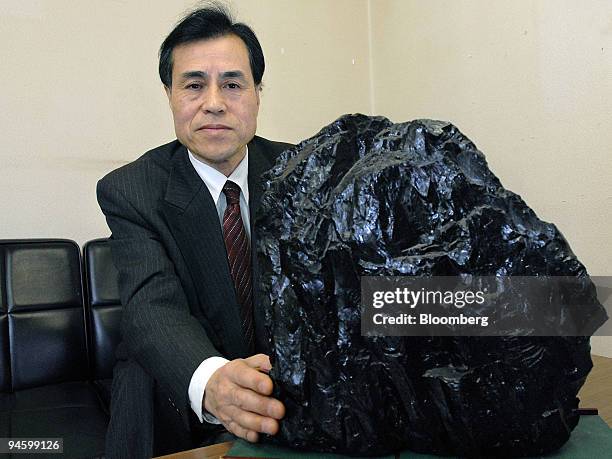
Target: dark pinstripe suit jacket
<point>174,281</point>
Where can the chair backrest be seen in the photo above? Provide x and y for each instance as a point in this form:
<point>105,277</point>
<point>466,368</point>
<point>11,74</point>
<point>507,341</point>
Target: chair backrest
<point>42,333</point>
<point>103,306</point>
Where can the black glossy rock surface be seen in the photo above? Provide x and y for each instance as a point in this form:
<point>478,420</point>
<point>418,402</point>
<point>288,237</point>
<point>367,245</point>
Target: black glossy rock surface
<point>369,197</point>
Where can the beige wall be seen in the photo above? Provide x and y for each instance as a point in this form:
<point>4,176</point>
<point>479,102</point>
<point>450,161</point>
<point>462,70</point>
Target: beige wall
<point>80,93</point>
<point>529,81</point>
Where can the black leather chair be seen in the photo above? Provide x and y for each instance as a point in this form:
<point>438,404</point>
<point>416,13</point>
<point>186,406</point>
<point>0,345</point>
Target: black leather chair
<point>103,308</point>
<point>45,388</point>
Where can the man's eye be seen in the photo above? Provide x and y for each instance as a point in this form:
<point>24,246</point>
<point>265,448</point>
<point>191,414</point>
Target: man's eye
<point>232,86</point>
<point>194,86</point>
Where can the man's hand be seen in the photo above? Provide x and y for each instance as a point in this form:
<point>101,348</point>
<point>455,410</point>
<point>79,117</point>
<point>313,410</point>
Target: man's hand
<point>238,395</point>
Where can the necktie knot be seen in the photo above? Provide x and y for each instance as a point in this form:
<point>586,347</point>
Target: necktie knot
<point>232,192</point>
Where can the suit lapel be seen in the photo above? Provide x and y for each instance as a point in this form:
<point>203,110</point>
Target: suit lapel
<point>192,217</point>
<point>258,164</point>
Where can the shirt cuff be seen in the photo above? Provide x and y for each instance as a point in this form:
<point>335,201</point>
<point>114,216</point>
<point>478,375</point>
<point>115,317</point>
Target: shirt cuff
<point>198,382</point>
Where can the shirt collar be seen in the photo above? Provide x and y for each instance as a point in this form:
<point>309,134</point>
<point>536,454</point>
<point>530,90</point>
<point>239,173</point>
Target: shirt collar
<point>214,180</point>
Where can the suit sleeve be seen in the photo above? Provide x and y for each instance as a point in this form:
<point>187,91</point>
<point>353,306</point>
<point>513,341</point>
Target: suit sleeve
<point>158,330</point>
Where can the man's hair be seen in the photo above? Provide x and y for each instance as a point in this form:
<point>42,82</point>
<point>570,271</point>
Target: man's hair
<point>212,21</point>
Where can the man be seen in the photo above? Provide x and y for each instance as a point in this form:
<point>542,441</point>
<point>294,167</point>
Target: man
<point>180,219</point>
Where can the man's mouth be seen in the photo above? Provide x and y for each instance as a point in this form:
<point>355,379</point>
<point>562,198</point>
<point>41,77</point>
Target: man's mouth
<point>214,127</point>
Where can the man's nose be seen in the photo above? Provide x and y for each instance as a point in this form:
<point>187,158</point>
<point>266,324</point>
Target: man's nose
<point>214,101</point>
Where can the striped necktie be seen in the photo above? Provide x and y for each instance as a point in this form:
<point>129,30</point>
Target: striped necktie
<point>239,258</point>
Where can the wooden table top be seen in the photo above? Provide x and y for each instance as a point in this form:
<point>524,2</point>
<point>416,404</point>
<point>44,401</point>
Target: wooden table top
<point>597,391</point>
<point>207,452</point>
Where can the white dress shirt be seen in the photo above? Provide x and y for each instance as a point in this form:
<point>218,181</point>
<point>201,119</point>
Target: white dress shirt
<point>214,181</point>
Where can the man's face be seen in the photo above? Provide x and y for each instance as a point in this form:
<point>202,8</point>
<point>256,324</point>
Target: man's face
<point>214,100</point>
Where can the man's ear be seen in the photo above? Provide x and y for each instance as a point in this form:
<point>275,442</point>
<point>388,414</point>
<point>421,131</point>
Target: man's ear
<point>258,89</point>
<point>168,93</point>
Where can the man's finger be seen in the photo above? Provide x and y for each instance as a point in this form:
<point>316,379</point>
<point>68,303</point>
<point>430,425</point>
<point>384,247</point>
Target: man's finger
<point>238,430</point>
<point>252,421</point>
<point>259,362</point>
<point>251,401</point>
<point>246,376</point>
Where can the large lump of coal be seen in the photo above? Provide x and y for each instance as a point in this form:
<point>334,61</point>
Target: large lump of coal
<point>368,197</point>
